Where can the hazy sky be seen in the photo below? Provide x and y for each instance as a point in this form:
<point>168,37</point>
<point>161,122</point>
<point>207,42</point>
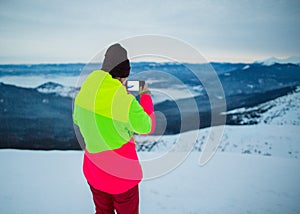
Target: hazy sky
<point>35,31</point>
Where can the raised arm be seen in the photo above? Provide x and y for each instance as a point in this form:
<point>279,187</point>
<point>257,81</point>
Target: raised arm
<point>141,115</point>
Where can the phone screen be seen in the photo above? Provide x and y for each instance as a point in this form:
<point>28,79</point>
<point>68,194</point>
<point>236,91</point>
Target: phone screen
<point>133,85</point>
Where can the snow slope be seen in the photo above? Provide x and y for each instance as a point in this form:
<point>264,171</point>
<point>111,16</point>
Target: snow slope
<point>275,134</point>
<point>256,170</point>
<point>262,140</point>
<point>273,60</point>
<point>52,182</point>
<point>284,110</point>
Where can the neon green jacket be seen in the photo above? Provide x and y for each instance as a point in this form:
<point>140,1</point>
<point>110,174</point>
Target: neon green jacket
<point>107,117</point>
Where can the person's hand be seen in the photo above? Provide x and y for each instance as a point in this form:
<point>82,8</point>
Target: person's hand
<point>144,89</point>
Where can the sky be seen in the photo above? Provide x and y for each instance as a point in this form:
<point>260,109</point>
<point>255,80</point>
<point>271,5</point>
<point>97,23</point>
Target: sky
<point>57,31</point>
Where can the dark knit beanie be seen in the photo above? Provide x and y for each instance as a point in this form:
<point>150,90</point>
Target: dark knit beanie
<point>116,62</point>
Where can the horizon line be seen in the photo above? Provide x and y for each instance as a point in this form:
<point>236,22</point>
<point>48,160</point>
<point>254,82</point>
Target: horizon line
<point>150,61</point>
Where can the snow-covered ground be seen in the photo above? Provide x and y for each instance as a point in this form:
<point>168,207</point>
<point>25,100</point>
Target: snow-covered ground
<point>276,134</point>
<point>262,140</point>
<point>52,182</point>
<point>256,170</point>
<point>283,110</point>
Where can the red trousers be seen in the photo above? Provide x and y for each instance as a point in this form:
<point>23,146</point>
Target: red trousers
<point>124,203</point>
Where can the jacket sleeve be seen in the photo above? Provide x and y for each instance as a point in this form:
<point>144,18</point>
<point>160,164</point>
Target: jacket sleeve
<point>147,104</point>
<point>141,116</point>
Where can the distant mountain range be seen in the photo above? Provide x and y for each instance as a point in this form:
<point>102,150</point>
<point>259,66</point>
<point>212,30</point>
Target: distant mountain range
<point>273,60</point>
<point>41,117</point>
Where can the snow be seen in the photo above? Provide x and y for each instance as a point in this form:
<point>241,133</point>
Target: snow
<point>255,170</point>
<point>261,140</point>
<point>43,182</point>
<point>175,92</point>
<point>284,110</point>
<point>229,183</point>
<point>246,67</point>
<point>278,141</point>
<point>58,89</point>
<point>37,80</point>
<point>273,60</point>
<point>276,134</point>
<point>52,182</point>
<point>250,86</point>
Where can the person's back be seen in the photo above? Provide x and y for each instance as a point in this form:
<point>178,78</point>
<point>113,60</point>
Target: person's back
<point>107,117</point>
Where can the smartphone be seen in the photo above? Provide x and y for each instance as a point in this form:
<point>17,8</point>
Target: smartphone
<point>134,85</point>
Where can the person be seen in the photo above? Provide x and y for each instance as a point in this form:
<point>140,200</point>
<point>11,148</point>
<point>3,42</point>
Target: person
<point>107,117</point>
